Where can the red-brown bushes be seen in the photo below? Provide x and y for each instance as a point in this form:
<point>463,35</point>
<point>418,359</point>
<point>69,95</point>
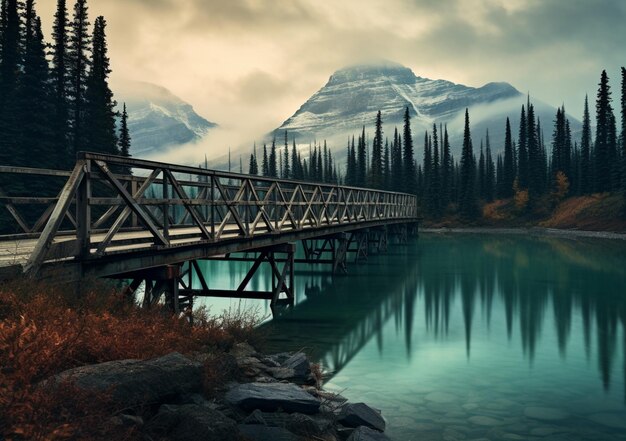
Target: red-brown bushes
<point>45,330</point>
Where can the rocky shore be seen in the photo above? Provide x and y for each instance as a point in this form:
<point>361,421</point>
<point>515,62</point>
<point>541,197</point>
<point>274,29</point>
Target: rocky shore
<point>271,397</point>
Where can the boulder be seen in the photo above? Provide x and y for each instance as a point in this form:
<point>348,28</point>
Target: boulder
<point>366,434</point>
<point>133,382</point>
<point>191,422</point>
<point>307,426</point>
<point>299,363</point>
<point>360,414</point>
<point>265,433</point>
<point>271,397</point>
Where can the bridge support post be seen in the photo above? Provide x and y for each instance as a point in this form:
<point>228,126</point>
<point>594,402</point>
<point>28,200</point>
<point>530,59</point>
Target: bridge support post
<point>281,293</point>
<point>333,251</point>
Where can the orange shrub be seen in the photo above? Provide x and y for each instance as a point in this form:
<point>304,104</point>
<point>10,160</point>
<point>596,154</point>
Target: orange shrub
<point>44,331</point>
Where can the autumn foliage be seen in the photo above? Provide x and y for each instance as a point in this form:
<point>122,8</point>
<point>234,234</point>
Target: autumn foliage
<point>44,331</point>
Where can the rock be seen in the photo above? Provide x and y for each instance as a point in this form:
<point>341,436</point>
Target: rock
<point>191,422</point>
<point>299,363</point>
<point>366,434</point>
<point>133,382</point>
<point>281,373</point>
<point>360,414</point>
<point>271,397</point>
<point>304,425</point>
<point>265,433</point>
<point>243,350</point>
<point>545,413</point>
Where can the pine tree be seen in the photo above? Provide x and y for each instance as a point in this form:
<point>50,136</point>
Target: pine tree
<point>377,154</point>
<point>295,163</point>
<point>586,185</point>
<point>124,138</point>
<point>435,176</point>
<point>481,173</point>
<point>623,104</point>
<point>286,169</point>
<point>508,165</point>
<point>523,166</point>
<point>409,170</point>
<point>446,171</point>
<point>361,161</point>
<point>34,100</point>
<point>272,167</point>
<point>60,77</point>
<point>78,62</point>
<point>386,167</point>
<point>490,172</point>
<point>427,168</point>
<point>535,168</point>
<point>602,150</point>
<point>396,162</point>
<point>265,165</point>
<point>467,180</point>
<point>100,114</point>
<point>10,151</point>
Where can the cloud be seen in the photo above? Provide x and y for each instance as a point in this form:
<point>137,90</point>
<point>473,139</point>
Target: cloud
<point>250,64</point>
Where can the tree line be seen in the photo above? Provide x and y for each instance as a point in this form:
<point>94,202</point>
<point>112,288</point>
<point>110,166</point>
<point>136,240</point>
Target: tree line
<point>55,98</point>
<point>529,168</point>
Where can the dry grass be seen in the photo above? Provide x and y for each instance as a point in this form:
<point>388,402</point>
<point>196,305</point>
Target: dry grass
<point>597,212</point>
<point>45,330</point>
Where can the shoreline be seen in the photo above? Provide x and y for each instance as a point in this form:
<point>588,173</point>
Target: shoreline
<point>532,231</point>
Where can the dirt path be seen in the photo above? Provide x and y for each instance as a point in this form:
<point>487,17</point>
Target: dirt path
<point>534,231</point>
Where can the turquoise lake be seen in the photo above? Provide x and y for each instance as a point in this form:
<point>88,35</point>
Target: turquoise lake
<point>467,337</point>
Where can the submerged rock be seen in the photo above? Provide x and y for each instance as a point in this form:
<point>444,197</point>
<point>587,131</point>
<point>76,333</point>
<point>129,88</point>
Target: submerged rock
<point>545,413</point>
<point>360,414</point>
<point>366,434</point>
<point>133,382</point>
<point>271,397</point>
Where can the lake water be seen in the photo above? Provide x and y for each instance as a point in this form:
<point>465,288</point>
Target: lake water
<point>469,337</point>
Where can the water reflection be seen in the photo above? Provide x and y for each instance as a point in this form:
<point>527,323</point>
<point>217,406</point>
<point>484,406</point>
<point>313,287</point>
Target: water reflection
<point>530,283</point>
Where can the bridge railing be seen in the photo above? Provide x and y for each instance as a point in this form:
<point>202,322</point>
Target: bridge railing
<point>111,204</point>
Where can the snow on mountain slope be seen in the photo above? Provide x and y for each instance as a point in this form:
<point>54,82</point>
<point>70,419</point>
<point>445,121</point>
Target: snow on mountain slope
<point>353,95</point>
<point>158,119</point>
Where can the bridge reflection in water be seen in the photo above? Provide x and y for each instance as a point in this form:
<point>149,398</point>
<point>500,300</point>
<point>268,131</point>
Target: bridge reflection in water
<point>532,286</point>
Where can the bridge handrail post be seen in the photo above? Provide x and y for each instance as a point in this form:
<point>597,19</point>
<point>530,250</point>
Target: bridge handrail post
<point>83,212</point>
<point>166,208</point>
<point>213,206</point>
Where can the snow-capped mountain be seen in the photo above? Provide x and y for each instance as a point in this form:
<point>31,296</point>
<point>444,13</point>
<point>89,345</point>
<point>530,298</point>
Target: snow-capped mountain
<point>158,119</point>
<point>353,95</point>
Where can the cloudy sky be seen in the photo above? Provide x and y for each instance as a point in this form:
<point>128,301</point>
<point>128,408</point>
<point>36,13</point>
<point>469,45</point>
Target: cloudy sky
<point>249,64</point>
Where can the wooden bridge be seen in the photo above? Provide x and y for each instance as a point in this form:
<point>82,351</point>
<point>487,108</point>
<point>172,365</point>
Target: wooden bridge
<point>150,222</point>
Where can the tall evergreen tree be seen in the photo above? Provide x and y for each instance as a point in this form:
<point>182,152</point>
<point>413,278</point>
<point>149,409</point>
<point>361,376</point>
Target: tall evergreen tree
<point>522,155</point>
<point>265,165</point>
<point>78,63</point>
<point>586,185</point>
<point>361,161</point>
<point>60,76</point>
<point>100,114</point>
<point>435,176</point>
<point>481,172</point>
<point>409,170</point>
<point>34,100</point>
<point>446,171</point>
<point>467,184</point>
<point>124,138</point>
<point>286,169</point>
<point>508,165</point>
<point>396,162</point>
<point>10,152</point>
<point>490,172</point>
<point>272,166</point>
<point>377,154</point>
<point>603,148</point>
<point>535,169</point>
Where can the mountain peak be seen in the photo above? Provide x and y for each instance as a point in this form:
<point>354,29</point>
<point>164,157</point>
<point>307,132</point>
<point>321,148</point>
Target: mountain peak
<point>373,70</point>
